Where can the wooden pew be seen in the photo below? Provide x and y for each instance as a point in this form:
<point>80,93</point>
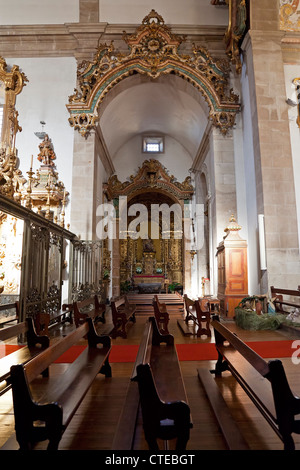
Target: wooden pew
<point>190,309</point>
<point>64,393</point>
<point>197,311</point>
<point>35,344</point>
<point>122,312</point>
<point>44,321</point>
<point>160,393</point>
<point>264,382</point>
<point>293,300</point>
<point>90,307</point>
<point>161,315</point>
<point>203,316</point>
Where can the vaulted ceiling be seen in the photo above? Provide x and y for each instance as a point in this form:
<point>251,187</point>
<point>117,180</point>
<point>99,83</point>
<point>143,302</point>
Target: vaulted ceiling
<point>168,106</point>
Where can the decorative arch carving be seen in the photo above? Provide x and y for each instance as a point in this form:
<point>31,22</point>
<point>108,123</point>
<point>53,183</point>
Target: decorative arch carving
<point>153,52</point>
<point>153,176</point>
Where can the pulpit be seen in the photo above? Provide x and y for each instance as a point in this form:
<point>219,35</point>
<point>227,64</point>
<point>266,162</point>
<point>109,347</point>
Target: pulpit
<point>232,269</point>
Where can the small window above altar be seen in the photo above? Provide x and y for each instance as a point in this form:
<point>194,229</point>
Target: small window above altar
<point>153,144</point>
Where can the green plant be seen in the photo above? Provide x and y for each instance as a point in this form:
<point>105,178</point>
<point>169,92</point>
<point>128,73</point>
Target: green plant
<point>106,274</point>
<point>125,286</point>
<point>173,286</point>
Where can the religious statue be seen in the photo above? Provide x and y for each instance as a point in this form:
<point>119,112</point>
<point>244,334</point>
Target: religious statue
<point>47,153</point>
<point>15,127</point>
<point>148,246</point>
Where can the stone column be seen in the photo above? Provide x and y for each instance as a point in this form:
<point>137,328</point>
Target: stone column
<point>275,192</point>
<point>83,203</point>
<point>224,180</point>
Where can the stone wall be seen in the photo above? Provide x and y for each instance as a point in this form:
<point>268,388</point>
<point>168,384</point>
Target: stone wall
<point>275,191</point>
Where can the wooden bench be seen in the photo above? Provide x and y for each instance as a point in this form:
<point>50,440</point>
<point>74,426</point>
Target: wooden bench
<point>293,300</point>
<point>10,318</point>
<point>160,394</point>
<point>35,344</point>
<point>161,315</point>
<point>199,312</point>
<point>44,321</point>
<point>122,312</point>
<point>90,307</point>
<point>63,394</point>
<point>264,382</point>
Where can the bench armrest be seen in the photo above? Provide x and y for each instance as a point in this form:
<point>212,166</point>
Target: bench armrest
<point>94,338</point>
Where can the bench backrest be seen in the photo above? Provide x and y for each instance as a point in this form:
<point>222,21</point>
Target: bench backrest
<point>144,351</point>
<point>203,304</point>
<point>151,337</point>
<point>160,305</point>
<point>14,330</point>
<point>293,293</point>
<point>188,302</point>
<point>85,303</point>
<point>222,334</point>
<point>118,303</point>
<point>41,362</point>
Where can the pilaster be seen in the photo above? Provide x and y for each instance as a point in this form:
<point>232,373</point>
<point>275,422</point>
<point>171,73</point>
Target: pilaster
<point>275,191</point>
<point>83,203</point>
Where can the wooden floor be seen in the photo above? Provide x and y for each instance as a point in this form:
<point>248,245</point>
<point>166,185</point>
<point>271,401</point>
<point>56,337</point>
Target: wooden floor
<point>94,424</point>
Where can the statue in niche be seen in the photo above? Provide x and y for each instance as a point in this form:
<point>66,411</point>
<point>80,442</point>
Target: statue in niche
<point>47,154</point>
<point>148,246</point>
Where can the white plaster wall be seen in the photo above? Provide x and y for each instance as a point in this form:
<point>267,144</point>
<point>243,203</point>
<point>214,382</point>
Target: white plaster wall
<point>130,157</point>
<point>199,12</point>
<point>44,98</point>
<point>23,12</point>
<point>291,72</point>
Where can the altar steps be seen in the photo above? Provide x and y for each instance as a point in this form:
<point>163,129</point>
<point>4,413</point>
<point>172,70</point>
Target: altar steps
<point>143,302</point>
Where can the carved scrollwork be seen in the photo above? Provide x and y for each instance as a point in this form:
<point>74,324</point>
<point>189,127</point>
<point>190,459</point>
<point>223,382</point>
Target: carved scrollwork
<point>33,301</point>
<point>152,174</point>
<point>38,233</point>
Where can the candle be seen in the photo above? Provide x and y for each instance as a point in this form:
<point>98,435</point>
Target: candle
<point>31,162</point>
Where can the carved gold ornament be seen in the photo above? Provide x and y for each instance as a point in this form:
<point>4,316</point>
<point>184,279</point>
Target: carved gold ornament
<point>13,82</point>
<point>11,178</point>
<point>151,175</point>
<point>153,52</point>
<point>235,31</point>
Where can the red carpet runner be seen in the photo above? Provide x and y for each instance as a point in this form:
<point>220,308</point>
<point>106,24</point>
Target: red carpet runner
<point>190,352</point>
<point>186,352</point>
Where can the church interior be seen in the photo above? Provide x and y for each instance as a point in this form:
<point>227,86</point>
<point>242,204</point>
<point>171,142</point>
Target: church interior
<point>150,225</point>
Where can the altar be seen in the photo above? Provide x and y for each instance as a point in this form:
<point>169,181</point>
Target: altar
<point>148,279</point>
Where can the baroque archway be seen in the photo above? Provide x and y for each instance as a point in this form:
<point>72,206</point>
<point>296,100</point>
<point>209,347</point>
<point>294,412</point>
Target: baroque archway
<point>154,51</point>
